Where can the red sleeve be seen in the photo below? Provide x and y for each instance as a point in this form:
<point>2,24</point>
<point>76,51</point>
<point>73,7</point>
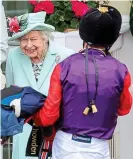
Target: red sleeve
<point>50,112</point>
<point>125,98</point>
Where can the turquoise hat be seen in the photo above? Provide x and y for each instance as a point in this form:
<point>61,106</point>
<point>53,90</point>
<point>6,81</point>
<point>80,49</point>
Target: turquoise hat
<point>31,21</point>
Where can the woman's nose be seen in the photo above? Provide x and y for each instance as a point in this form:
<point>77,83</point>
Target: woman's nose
<point>29,44</point>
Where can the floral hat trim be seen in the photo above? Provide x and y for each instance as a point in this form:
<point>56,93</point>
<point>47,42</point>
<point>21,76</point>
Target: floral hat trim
<point>16,25</point>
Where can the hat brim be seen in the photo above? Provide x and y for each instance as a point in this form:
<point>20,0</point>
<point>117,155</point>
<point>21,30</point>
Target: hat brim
<point>40,27</point>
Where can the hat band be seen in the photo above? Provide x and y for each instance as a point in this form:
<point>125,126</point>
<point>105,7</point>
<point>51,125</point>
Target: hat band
<point>31,24</point>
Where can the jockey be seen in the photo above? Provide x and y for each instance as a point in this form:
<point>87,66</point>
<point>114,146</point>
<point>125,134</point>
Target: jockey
<point>88,91</point>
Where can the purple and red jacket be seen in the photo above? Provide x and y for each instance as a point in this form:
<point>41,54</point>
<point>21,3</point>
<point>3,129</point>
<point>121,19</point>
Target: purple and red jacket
<point>67,97</point>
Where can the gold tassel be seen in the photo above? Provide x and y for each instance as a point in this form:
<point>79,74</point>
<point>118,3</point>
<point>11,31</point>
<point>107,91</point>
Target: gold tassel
<point>86,111</point>
<point>94,109</point>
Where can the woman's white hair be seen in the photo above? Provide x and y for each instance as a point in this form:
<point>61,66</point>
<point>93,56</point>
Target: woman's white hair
<point>45,34</point>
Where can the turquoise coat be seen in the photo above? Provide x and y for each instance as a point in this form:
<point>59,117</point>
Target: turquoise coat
<point>19,72</point>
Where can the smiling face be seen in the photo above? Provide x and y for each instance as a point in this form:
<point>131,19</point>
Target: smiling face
<point>34,45</point>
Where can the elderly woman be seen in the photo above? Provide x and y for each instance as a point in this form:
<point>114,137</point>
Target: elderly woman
<point>32,63</point>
